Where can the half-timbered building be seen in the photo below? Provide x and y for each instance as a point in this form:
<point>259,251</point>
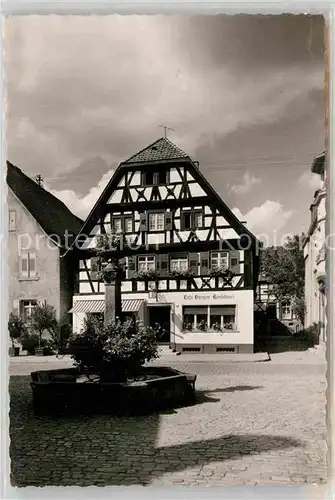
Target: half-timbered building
<point>192,267</point>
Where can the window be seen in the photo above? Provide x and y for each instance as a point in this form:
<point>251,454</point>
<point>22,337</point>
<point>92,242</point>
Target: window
<point>219,260</point>
<point>12,220</point>
<point>156,222</point>
<point>191,219</point>
<point>195,318</point>
<point>198,220</point>
<point>162,176</point>
<point>26,308</point>
<point>209,318</point>
<point>122,224</point>
<point>146,263</point>
<point>117,225</point>
<point>128,225</point>
<point>28,265</point>
<point>286,310</point>
<point>186,221</point>
<point>155,178</point>
<point>179,263</point>
<point>222,318</point>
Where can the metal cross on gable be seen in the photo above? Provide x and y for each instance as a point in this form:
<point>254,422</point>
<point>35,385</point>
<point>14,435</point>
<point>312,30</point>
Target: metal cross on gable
<point>166,129</point>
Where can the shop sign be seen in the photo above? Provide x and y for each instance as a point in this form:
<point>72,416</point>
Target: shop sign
<point>208,297</point>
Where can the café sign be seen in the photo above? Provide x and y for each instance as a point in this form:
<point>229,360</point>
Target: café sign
<point>208,297</point>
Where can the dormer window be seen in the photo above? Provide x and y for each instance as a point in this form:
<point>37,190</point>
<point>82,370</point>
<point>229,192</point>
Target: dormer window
<point>157,177</point>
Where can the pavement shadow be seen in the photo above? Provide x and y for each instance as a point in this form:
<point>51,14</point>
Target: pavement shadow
<point>106,450</point>
<point>206,396</point>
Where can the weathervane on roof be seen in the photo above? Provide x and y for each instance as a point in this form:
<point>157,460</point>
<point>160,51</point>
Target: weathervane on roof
<point>166,129</point>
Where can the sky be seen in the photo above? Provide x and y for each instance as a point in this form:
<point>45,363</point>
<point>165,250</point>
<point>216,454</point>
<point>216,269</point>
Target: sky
<point>243,95</point>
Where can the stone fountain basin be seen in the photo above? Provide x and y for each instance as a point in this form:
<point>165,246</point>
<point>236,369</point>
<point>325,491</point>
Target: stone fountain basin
<point>67,391</point>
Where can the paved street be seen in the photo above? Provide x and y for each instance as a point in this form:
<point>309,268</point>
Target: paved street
<point>254,423</point>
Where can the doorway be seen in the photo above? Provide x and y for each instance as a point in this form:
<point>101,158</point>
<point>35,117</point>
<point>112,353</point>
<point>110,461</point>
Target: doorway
<point>160,317</point>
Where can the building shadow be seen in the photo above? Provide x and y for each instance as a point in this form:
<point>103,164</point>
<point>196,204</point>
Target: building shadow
<point>107,450</point>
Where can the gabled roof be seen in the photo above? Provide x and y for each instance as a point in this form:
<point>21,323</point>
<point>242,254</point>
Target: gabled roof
<point>49,212</point>
<point>166,150</point>
<point>162,149</point>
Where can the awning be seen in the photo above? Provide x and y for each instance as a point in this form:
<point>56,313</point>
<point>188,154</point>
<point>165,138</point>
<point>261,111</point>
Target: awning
<point>98,306</point>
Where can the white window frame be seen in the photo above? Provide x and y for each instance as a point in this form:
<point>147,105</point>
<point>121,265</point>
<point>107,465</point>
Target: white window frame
<point>28,271</point>
<point>30,307</point>
<point>286,310</point>
<point>196,215</point>
<point>12,220</point>
<point>146,263</point>
<point>219,260</point>
<point>126,220</point>
<point>179,264</point>
<point>208,321</point>
<point>156,221</point>
<point>119,220</point>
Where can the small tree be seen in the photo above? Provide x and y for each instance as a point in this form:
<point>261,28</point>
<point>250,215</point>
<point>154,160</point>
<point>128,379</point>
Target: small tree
<point>44,318</point>
<point>16,328</point>
<point>114,351</point>
<point>284,267</point>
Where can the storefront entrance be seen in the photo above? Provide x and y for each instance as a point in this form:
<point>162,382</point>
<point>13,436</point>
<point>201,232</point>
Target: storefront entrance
<point>160,319</point>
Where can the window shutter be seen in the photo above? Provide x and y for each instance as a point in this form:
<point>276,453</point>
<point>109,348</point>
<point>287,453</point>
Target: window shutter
<point>94,268</point>
<point>204,263</point>
<point>131,266</point>
<point>143,222</point>
<point>32,264</point>
<point>42,302</point>
<point>234,261</point>
<point>193,262</point>
<point>162,264</point>
<point>168,221</point>
<point>24,265</point>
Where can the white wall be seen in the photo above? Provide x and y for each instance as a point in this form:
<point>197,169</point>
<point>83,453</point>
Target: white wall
<point>242,299</point>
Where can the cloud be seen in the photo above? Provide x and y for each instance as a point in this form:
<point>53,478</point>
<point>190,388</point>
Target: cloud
<point>246,185</point>
<point>67,105</point>
<point>309,180</point>
<point>82,205</point>
<point>266,220</point>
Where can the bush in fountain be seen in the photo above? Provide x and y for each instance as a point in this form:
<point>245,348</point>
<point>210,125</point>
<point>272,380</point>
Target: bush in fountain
<point>115,351</point>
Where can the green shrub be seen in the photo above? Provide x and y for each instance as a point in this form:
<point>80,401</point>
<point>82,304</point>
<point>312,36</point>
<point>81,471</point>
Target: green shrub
<point>116,350</point>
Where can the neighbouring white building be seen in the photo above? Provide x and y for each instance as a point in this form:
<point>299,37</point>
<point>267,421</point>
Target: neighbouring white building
<point>194,266</point>
<point>315,255</point>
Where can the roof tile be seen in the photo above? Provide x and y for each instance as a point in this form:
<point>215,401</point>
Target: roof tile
<point>162,149</point>
<point>50,213</point>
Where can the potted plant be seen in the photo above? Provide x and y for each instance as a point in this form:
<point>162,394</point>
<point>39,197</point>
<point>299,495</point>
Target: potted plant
<point>222,272</point>
<point>146,275</point>
<point>43,318</point>
<point>181,273</point>
<point>17,329</point>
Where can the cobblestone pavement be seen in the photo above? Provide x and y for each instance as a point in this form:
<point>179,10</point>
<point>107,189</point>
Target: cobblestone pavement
<point>254,423</point>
